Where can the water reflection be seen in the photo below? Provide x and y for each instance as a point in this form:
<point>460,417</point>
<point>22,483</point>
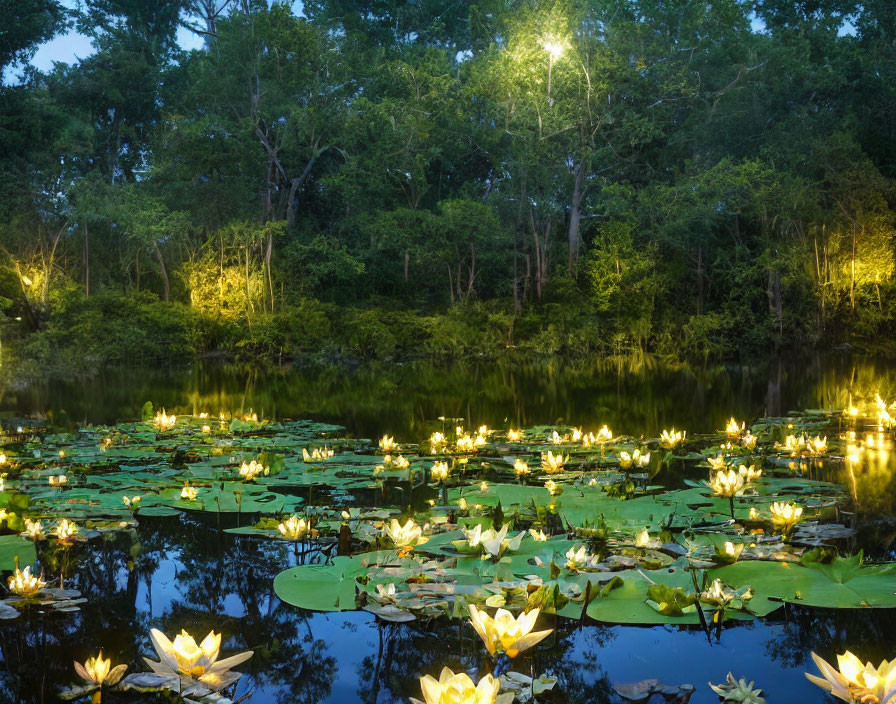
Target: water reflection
<point>174,573</point>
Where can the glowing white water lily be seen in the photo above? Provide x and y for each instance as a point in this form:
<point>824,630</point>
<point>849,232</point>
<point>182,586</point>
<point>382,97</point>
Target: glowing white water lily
<point>792,443</point>
<point>551,463</point>
<point>2,458</point>
<point>163,421</point>
<point>730,552</point>
<point>253,469</point>
<point>749,473</point>
<point>635,459</point>
<point>604,434</point>
<point>57,481</point>
<point>23,583</point>
<point>506,634</point>
<point>749,441</point>
<point>855,682</point>
<point>785,515</point>
<point>732,430</point>
<point>462,503</point>
<point>817,445</point>
<point>576,435</point>
<point>33,530</point>
<point>722,596</point>
<point>520,467</point>
<point>189,493</point>
<point>407,535</point>
<point>400,462</point>
<point>464,443</point>
<point>131,501</point>
<point>754,513</point>
<point>458,688</point>
<point>294,528</point>
<point>514,435</point>
<point>199,662</point>
<point>538,535</point>
<point>251,417</point>
<point>672,438</point>
<point>483,486</point>
<point>206,429</point>
<point>727,483</point>
<point>716,463</point>
<point>317,454</point>
<point>65,530</point>
<point>492,542</point>
<point>436,442</point>
<point>439,471</point>
<point>576,558</point>
<point>99,671</point>
<point>556,438</point>
<point>552,487</point>
<point>387,443</point>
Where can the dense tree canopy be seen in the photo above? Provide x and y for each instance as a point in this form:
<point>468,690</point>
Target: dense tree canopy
<point>686,177</point>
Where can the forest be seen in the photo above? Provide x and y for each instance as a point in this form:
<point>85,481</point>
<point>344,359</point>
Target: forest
<point>359,179</point>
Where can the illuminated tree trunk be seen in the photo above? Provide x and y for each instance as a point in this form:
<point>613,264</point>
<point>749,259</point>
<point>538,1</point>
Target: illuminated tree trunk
<point>575,216</point>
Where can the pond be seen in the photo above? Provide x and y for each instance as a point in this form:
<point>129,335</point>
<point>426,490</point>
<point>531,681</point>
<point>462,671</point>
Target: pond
<point>170,569</point>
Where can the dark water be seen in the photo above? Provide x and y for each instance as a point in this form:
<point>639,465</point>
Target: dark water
<point>186,574</point>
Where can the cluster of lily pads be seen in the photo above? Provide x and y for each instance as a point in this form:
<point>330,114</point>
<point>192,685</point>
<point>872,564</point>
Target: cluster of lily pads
<point>539,523</point>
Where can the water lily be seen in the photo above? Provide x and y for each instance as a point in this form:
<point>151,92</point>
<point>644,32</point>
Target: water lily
<point>199,662</point>
<point>386,591</point>
<point>749,473</point>
<point>33,530</point>
<point>732,430</point>
<point>188,493</point>
<point>407,535</point>
<point>436,441</point>
<point>729,552</point>
<point>520,467</point>
<point>387,443</point>
<point>164,421</point>
<point>458,688</point>
<point>131,501</point>
<point>400,462</point>
<point>65,530</point>
<point>57,481</point>
<point>672,438</point>
<point>727,483</point>
<point>294,528</point>
<point>23,583</point>
<point>514,435</point>
<point>576,558</point>
<point>716,463</point>
<point>722,596</point>
<point>439,471</point>
<point>464,443</point>
<point>635,459</point>
<point>855,682</point>
<point>99,671</point>
<point>784,515</point>
<point>817,445</point>
<point>506,634</point>
<point>253,469</point>
<point>492,542</point>
<point>642,539</point>
<point>604,434</point>
<point>552,487</point>
<point>538,535</point>
<point>739,691</point>
<point>551,463</point>
<point>462,503</point>
<point>749,441</point>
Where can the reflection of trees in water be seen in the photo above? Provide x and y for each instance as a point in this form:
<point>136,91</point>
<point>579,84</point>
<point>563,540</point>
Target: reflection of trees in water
<point>406,651</point>
<point>214,571</point>
<point>867,632</point>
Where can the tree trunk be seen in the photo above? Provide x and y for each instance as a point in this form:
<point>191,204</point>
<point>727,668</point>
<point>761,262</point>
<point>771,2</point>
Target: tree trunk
<point>269,249</point>
<point>575,216</point>
<point>86,262</point>
<point>166,284</point>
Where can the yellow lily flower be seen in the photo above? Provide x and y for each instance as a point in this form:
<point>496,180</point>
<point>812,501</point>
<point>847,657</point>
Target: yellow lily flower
<point>200,662</point>
<point>458,688</point>
<point>23,583</point>
<point>507,634</point>
<point>294,528</point>
<point>855,682</point>
<point>100,671</point>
